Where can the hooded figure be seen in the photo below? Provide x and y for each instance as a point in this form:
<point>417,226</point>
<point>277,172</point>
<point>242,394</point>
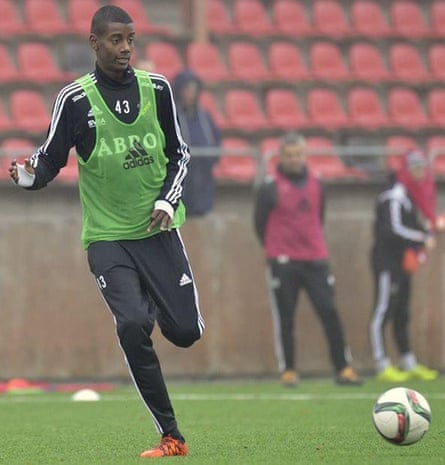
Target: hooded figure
<point>402,239</point>
<point>199,131</point>
<point>421,189</point>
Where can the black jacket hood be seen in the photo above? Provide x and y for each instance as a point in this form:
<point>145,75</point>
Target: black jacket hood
<point>183,78</point>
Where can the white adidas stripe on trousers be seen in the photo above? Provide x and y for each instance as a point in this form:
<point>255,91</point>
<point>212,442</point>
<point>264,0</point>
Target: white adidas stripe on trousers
<point>378,319</point>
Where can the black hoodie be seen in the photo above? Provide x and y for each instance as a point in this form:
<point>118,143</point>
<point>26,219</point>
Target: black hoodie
<point>199,131</point>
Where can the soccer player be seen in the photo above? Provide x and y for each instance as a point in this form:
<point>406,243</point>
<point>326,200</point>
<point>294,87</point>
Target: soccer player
<point>288,222</point>
<point>401,240</point>
<point>132,162</point>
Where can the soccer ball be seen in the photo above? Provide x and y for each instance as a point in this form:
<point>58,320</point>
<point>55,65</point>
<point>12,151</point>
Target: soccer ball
<point>401,416</point>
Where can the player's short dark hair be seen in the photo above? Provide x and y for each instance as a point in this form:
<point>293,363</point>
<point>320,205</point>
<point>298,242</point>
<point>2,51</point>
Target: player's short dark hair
<point>108,14</point>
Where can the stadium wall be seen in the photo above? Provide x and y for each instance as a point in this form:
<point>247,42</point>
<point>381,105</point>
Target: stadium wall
<point>55,324</point>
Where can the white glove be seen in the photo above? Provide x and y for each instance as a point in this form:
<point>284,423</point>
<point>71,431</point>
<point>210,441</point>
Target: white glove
<point>165,207</point>
<point>25,178</point>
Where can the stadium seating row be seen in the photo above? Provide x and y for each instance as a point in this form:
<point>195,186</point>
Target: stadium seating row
<point>331,18</point>
<point>46,17</point>
<point>281,109</point>
<point>34,62</point>
<point>323,158</point>
<point>244,61</point>
<point>324,109</point>
<point>236,165</point>
<point>404,18</point>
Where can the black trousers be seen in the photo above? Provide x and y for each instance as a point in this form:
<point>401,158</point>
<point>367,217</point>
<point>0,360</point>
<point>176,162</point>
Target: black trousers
<point>285,282</point>
<point>144,281</point>
<point>392,297</point>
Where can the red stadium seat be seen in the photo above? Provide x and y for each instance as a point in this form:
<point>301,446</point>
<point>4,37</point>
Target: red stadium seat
<point>406,63</point>
<point>8,70</point>
<point>286,62</point>
<point>18,148</point>
<point>137,11</point>
<point>325,109</point>
<point>365,109</point>
<point>246,63</point>
<point>269,147</point>
<point>165,57</point>
<point>79,14</point>
<point>405,109</point>
<point>436,61</point>
<point>436,107</point>
<point>367,63</point>
<point>408,20</point>
<point>44,18</point>
<point>205,60</point>
<point>36,63</point>
<point>326,62</point>
<point>5,122</point>
<point>435,147</point>
<point>251,18</point>
<point>437,18</point>
<point>283,109</point>
<point>28,111</point>
<point>13,148</point>
<point>243,111</point>
<point>218,18</point>
<point>329,18</point>
<point>396,146</point>
<point>235,164</point>
<point>369,20</point>
<point>290,18</point>
<point>207,100</point>
<point>326,164</point>
<point>10,21</point>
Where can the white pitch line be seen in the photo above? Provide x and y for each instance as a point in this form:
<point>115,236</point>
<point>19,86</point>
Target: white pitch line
<point>212,397</point>
<point>287,397</point>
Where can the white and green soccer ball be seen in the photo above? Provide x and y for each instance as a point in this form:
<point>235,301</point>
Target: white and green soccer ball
<point>402,416</point>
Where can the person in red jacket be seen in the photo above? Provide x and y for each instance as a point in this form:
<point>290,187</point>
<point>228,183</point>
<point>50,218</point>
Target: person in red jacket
<point>288,218</point>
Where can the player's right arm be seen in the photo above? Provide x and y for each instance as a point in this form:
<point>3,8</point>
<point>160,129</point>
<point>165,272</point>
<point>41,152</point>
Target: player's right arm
<point>44,165</point>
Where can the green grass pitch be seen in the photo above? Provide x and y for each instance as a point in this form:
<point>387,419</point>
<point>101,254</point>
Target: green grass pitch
<point>236,423</point>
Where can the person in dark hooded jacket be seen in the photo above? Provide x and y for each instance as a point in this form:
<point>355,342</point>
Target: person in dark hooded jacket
<point>401,239</point>
<point>199,131</point>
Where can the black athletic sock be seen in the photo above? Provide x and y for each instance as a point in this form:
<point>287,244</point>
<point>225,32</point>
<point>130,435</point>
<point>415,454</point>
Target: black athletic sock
<point>175,434</point>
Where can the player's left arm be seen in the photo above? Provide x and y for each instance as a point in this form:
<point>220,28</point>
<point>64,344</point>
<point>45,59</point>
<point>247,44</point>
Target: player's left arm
<point>177,153</point>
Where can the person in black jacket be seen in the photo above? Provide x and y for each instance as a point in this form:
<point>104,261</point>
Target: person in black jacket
<point>401,240</point>
<point>203,137</point>
<point>288,222</point>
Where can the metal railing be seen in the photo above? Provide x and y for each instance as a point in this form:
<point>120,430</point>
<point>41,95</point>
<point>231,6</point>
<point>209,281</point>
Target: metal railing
<point>368,158</point>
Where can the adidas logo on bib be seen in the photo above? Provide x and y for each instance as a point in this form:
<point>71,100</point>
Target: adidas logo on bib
<point>184,280</point>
